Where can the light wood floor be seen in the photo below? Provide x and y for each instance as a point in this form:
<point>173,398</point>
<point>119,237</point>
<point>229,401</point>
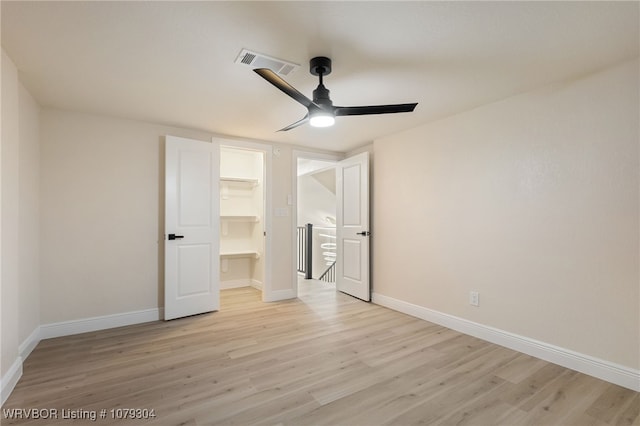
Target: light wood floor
<point>325,359</point>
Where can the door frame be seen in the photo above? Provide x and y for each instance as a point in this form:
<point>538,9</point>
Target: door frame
<point>266,150</point>
<point>295,155</point>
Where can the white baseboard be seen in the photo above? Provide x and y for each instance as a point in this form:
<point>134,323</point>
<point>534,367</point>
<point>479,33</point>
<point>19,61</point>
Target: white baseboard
<point>245,282</point>
<point>277,295</point>
<point>30,343</point>
<point>10,379</point>
<point>85,325</point>
<point>227,284</point>
<point>605,370</point>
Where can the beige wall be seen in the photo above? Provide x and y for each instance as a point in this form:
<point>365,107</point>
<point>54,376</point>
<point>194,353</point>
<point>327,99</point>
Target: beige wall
<point>102,215</point>
<point>19,278</point>
<point>29,218</point>
<point>532,202</point>
<point>9,214</point>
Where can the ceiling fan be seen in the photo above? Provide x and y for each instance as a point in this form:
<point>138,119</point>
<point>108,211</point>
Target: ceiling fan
<point>321,111</point>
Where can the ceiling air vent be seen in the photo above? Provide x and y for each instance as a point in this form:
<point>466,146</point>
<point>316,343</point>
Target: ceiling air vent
<point>258,60</point>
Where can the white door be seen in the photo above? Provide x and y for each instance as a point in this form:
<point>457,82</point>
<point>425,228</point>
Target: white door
<point>352,200</point>
<point>192,216</point>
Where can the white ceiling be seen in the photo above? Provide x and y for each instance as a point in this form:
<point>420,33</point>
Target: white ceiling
<point>173,62</point>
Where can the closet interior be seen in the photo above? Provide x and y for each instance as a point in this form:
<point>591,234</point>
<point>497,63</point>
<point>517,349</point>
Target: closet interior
<point>241,218</point>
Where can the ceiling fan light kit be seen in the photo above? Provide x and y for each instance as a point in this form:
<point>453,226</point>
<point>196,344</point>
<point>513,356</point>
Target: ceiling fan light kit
<point>320,111</point>
<point>321,119</point>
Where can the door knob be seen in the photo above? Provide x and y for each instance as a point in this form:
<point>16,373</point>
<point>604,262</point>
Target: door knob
<point>175,237</point>
<point>364,233</point>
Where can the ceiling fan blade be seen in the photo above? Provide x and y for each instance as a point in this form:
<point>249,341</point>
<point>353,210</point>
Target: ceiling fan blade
<point>285,87</point>
<point>296,124</point>
<point>374,109</point>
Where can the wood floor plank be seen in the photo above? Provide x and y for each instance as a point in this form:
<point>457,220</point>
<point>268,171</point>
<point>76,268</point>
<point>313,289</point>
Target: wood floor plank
<point>566,398</point>
<point>532,387</point>
<point>322,359</point>
<point>520,368</point>
<point>616,406</point>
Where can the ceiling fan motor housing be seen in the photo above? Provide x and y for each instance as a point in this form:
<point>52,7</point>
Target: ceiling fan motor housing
<point>321,97</point>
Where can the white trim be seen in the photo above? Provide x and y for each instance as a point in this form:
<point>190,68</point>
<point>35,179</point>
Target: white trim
<point>256,284</point>
<point>67,328</point>
<point>229,284</point>
<point>10,379</point>
<point>239,283</point>
<point>29,343</point>
<point>277,295</point>
<point>605,370</point>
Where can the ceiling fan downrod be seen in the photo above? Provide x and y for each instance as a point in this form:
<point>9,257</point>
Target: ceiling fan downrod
<point>321,66</point>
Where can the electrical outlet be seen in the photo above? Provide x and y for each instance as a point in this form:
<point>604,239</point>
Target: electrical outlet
<point>474,298</point>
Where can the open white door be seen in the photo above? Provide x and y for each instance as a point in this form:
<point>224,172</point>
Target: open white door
<point>352,249</point>
<point>192,216</point>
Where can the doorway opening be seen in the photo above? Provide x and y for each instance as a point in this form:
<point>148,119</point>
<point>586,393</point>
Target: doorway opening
<point>316,223</point>
<point>242,218</point>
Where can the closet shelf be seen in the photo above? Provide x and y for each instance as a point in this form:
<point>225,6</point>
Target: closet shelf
<point>240,218</point>
<point>239,180</point>
<point>239,254</point>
